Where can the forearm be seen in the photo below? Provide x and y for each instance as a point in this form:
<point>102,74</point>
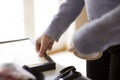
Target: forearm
<point>99,34</point>
<point>68,12</point>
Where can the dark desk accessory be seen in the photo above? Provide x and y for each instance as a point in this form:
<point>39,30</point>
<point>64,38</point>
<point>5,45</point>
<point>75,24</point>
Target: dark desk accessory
<point>46,66</point>
<point>37,74</point>
<point>70,73</point>
<point>37,69</point>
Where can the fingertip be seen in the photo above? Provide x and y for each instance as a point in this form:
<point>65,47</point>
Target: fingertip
<point>37,50</point>
<point>41,54</point>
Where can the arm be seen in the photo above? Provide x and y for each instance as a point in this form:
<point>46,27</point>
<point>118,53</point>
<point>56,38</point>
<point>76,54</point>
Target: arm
<point>67,13</point>
<point>99,34</point>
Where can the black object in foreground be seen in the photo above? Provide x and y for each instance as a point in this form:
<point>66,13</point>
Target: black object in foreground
<point>70,73</point>
<point>37,69</point>
<point>46,66</point>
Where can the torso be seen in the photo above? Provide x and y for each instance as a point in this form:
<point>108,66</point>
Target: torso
<point>96,8</point>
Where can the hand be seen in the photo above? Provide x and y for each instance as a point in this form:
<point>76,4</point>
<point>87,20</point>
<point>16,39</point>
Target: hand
<point>44,43</point>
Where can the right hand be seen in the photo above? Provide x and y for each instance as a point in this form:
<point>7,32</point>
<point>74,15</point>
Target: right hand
<point>44,43</point>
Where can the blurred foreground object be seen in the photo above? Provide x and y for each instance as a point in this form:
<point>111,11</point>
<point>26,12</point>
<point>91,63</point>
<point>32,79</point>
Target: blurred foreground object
<point>11,71</point>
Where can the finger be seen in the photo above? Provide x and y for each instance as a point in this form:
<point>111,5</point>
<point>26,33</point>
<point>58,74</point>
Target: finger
<point>43,48</point>
<point>37,45</point>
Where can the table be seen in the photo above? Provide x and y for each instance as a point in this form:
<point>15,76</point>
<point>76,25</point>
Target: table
<point>22,52</point>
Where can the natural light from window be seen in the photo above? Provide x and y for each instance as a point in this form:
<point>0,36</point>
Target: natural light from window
<point>11,19</point>
<point>44,11</point>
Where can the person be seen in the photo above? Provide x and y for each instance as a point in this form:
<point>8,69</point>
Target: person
<point>97,41</point>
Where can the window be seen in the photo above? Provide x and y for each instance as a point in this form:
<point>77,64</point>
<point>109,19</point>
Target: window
<point>43,13</point>
<point>11,19</point>
<point>25,18</point>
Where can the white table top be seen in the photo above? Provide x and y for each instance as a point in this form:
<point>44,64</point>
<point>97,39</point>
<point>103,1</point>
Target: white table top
<point>23,53</point>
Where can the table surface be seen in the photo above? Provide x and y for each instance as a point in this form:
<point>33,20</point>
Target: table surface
<point>23,53</point>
